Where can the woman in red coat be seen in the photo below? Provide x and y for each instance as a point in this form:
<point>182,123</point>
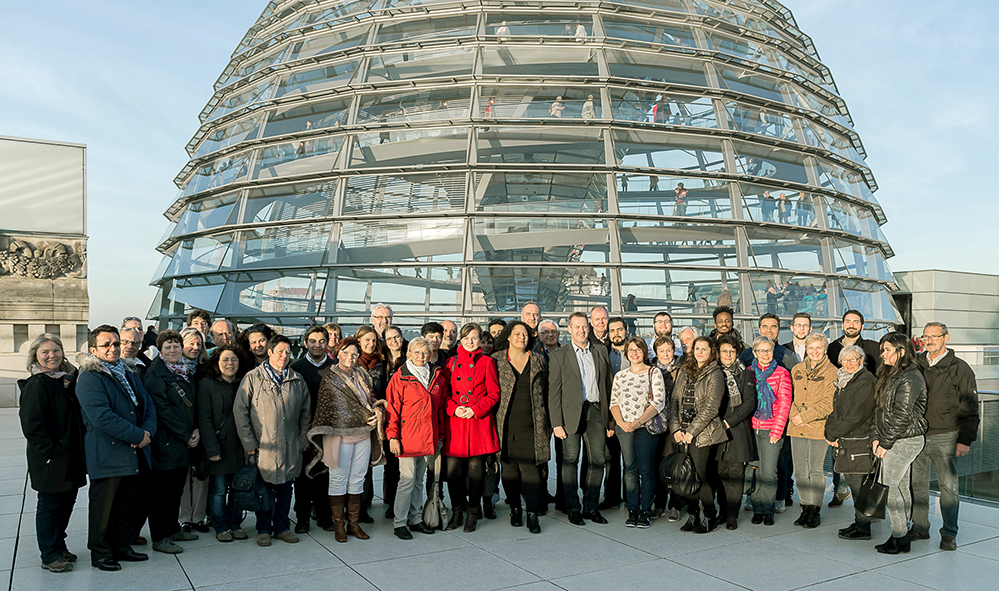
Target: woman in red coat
<point>415,430</point>
<point>470,434</point>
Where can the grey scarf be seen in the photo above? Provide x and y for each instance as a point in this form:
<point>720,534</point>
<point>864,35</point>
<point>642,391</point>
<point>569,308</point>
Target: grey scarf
<point>843,378</point>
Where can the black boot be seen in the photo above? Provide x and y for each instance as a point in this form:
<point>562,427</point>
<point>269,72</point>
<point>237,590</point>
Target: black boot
<point>457,517</point>
<point>516,516</point>
<point>488,509</point>
<point>894,545</point>
<point>532,523</point>
<point>814,520</point>
<point>806,513</point>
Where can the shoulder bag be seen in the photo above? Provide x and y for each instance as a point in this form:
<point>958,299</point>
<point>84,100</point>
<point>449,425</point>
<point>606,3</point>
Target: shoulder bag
<point>873,496</point>
<point>678,473</point>
<point>658,424</point>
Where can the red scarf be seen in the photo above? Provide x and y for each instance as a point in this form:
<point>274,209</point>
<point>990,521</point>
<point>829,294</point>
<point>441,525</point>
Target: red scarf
<point>369,360</point>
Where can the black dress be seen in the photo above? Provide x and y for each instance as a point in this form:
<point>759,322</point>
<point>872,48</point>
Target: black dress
<point>518,436</point>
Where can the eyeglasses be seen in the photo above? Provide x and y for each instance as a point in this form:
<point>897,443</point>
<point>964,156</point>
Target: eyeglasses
<point>382,317</point>
<point>111,345</point>
<point>131,318</point>
<point>932,337</point>
<point>130,343</point>
<point>763,351</point>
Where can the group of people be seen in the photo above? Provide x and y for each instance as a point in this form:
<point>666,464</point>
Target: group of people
<point>161,428</point>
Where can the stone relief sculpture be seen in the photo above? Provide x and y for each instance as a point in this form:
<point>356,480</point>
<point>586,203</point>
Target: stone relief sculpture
<point>45,259</point>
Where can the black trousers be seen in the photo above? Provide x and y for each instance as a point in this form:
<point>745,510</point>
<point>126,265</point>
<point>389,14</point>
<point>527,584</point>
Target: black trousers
<point>473,468</point>
<point>559,486</point>
<point>390,477</point>
<point>785,471</point>
<point>523,480</point>
<point>52,514</point>
<point>704,464</point>
<point>732,477</point>
<point>312,493</point>
<point>113,503</point>
<point>162,501</point>
<point>612,481</point>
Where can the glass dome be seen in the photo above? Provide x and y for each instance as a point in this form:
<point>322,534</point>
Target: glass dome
<point>459,159</point>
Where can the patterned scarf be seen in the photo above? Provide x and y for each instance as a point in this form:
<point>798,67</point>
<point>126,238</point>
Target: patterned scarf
<point>118,371</point>
<point>731,371</point>
<point>180,368</point>
<point>421,372</point>
<point>764,393</point>
<point>278,378</point>
<point>67,376</point>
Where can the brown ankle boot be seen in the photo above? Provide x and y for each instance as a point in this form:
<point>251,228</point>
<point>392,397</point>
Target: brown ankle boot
<point>471,518</point>
<point>354,517</point>
<point>339,526</point>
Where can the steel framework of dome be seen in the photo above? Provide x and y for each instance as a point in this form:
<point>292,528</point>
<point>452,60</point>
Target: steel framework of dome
<point>459,158</point>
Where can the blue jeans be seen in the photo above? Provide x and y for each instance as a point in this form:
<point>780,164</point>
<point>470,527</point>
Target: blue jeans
<point>895,474</point>
<point>941,450</point>
<point>276,520</point>
<point>638,449</point>
<point>52,515</point>
<point>225,516</point>
<point>765,492</point>
<point>594,436</point>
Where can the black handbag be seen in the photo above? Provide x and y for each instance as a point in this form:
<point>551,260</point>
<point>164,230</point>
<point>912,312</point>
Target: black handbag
<point>249,491</point>
<point>677,472</point>
<point>852,455</point>
<point>873,496</point>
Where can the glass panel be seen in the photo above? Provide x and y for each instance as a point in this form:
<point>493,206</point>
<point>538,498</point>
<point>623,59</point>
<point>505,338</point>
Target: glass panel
<point>653,106</point>
<point>207,213</point>
<point>778,248</point>
<point>531,144</point>
<point>274,293</point>
<point>835,177</point>
<point>414,107</point>
<point>653,195</point>
<point>225,170</point>
<point>299,157</point>
<point>288,202</point>
<point>426,29</point>
<point>756,85</point>
<point>295,246</point>
<point>341,12</point>
<point>257,64</point>
<point>649,241</point>
<point>861,261</point>
<point>532,62</point>
<point>406,289</point>
<point>539,191</point>
<point>850,218</point>
<point>656,67</point>
<point>262,91</point>
<point>769,162</point>
<point>506,26</point>
<point>229,135</point>
<point>651,149</point>
<point>779,206</point>
<point>807,100</point>
<point>316,79</point>
<point>540,102</point>
<point>786,295</point>
<point>745,117</point>
<point>305,117</point>
<point>555,289</point>
<point>821,136</point>
<point>742,48</point>
<point>679,291</point>
<point>872,300</point>
<point>426,63</point>
<point>407,147</point>
<point>404,194</point>
<point>540,240</point>
<point>204,254</point>
<point>670,5</point>
<point>197,292</point>
<point>321,43</point>
<point>410,240</point>
<point>650,32</point>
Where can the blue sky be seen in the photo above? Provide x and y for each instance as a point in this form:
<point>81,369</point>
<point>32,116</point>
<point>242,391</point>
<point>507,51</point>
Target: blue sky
<point>129,79</point>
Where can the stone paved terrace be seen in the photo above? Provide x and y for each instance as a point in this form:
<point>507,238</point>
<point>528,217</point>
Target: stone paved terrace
<point>594,557</point>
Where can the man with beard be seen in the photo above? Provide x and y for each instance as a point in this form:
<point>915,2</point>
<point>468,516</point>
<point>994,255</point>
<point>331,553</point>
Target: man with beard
<point>381,318</point>
<point>617,335</point>
<point>662,325</point>
<point>853,325</point>
<point>770,328</point>
<point>312,493</point>
<point>724,317</point>
<point>801,325</point>
<point>449,338</point>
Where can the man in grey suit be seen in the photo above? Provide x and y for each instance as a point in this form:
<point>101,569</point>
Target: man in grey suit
<point>579,383</point>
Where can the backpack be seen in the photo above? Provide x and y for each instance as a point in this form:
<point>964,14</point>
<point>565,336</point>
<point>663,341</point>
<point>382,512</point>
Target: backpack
<point>677,472</point>
<point>249,491</point>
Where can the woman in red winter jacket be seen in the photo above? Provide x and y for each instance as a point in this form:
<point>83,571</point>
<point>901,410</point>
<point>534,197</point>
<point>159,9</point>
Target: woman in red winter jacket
<point>470,434</point>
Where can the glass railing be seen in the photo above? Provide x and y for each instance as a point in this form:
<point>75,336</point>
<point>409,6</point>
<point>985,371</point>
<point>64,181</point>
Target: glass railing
<point>978,471</point>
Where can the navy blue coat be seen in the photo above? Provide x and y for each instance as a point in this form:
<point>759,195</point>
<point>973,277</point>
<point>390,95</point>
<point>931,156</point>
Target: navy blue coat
<point>114,424</point>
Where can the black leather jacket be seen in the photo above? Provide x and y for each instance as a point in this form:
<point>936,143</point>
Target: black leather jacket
<point>901,411</point>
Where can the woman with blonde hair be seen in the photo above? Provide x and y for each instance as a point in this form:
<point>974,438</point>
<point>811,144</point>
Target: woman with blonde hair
<point>52,424</point>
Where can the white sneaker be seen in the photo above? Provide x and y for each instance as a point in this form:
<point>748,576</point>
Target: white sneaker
<point>673,516</point>
<point>780,507</point>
